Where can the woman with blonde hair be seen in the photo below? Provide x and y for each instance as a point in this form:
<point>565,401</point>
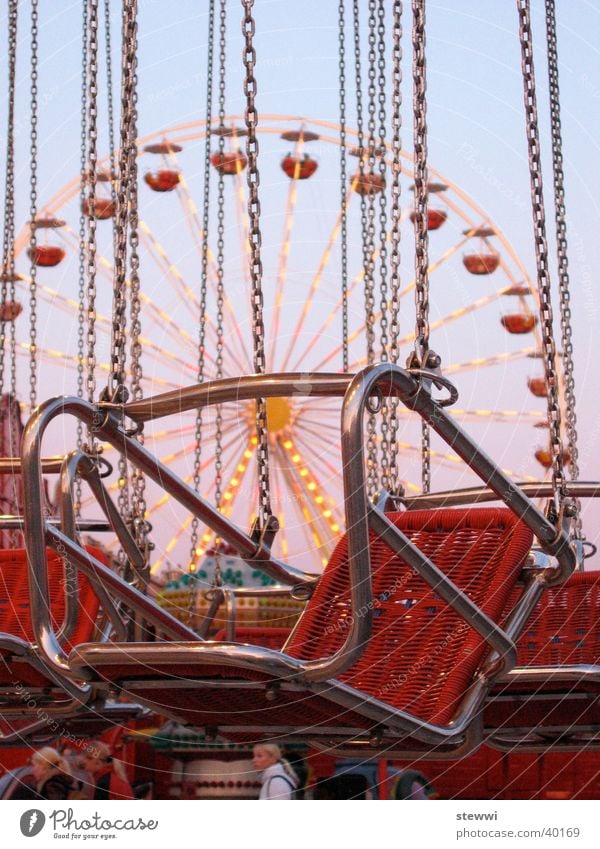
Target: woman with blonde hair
<point>279,781</point>
<point>108,774</point>
<point>51,774</point>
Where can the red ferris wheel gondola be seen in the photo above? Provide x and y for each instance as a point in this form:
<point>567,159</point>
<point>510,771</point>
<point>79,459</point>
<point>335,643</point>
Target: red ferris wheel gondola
<point>229,163</point>
<point>10,311</point>
<point>520,322</point>
<point>369,183</point>
<point>164,180</point>
<point>435,218</point>
<point>46,256</point>
<point>537,386</point>
<point>104,208</point>
<point>299,167</point>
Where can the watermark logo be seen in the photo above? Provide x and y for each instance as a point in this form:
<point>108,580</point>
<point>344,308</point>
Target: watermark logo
<point>32,822</point>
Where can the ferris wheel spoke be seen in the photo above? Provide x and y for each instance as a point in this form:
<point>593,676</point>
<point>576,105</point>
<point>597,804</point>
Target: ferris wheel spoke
<point>483,362</point>
<point>160,317</point>
<point>451,317</point>
<point>283,264</point>
<point>359,332</point>
<point>335,310</point>
<point>240,205</point>
<point>499,415</point>
<point>171,458</point>
<point>188,298</point>
<point>316,426</point>
<point>310,483</point>
<point>314,286</point>
<point>192,219</point>
<point>324,465</point>
<point>278,490</point>
<point>171,544</point>
<point>185,525</point>
<point>240,353</point>
<point>164,263</point>
<point>306,523</point>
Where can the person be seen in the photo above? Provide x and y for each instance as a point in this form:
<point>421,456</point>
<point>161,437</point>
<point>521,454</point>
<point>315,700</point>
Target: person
<point>51,776</point>
<point>108,774</point>
<point>279,781</point>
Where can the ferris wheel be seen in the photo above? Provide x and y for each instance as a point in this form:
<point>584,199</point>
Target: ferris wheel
<point>482,323</point>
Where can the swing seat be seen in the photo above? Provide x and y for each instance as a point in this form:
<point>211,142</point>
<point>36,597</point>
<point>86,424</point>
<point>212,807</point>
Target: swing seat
<point>85,722</point>
<point>421,658</point>
<point>22,672</point>
<point>555,690</point>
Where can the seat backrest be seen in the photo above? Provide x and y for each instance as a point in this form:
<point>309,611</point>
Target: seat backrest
<point>422,655</point>
<point>564,628</point>
<point>15,613</point>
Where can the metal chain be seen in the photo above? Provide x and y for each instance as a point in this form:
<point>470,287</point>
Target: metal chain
<point>8,264</point>
<point>33,208</point>
<point>254,236</point>
<point>381,143</point>
<point>369,281</point>
<point>541,250</point>
<point>83,176</point>
<point>391,484</point>
<point>383,270</point>
<point>562,248</point>
<point>8,246</point>
<point>138,481</point>
<point>92,167</point>
<point>220,263</point>
<point>118,341</point>
<point>343,186</point>
<point>203,272</point>
<point>421,232</point>
<point>368,242</point>
<point>109,96</point>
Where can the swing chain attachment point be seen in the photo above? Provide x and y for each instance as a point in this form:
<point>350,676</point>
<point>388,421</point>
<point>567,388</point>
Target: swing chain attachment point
<point>264,535</point>
<point>96,461</point>
<point>425,367</point>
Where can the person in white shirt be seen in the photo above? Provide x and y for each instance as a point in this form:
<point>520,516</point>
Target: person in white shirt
<point>278,778</point>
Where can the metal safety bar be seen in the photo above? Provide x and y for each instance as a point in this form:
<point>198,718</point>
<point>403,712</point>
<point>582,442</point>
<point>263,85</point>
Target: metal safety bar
<point>385,379</point>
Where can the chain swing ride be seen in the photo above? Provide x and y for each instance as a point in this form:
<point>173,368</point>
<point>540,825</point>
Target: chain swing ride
<point>411,639</point>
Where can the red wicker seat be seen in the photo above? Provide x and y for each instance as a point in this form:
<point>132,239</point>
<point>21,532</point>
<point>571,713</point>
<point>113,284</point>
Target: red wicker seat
<point>563,632</point>
<point>421,656</point>
<point>15,614</point>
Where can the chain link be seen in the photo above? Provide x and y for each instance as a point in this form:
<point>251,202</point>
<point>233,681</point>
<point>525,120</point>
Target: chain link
<point>220,262</point>
<point>83,176</point>
<point>343,186</point>
<point>8,269</point>
<point>254,236</point>
<point>203,270</point>
<point>541,249</point>
<point>562,251</point>
<point>421,201</point>
<point>119,341</point>
<point>33,208</point>
<point>391,484</point>
<point>381,85</point>
<point>110,103</point>
<point>367,212</point>
<point>8,246</point>
<point>383,235</point>
<point>91,200</point>
<point>138,481</point>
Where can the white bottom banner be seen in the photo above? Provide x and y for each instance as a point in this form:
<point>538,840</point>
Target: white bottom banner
<point>248,824</point>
